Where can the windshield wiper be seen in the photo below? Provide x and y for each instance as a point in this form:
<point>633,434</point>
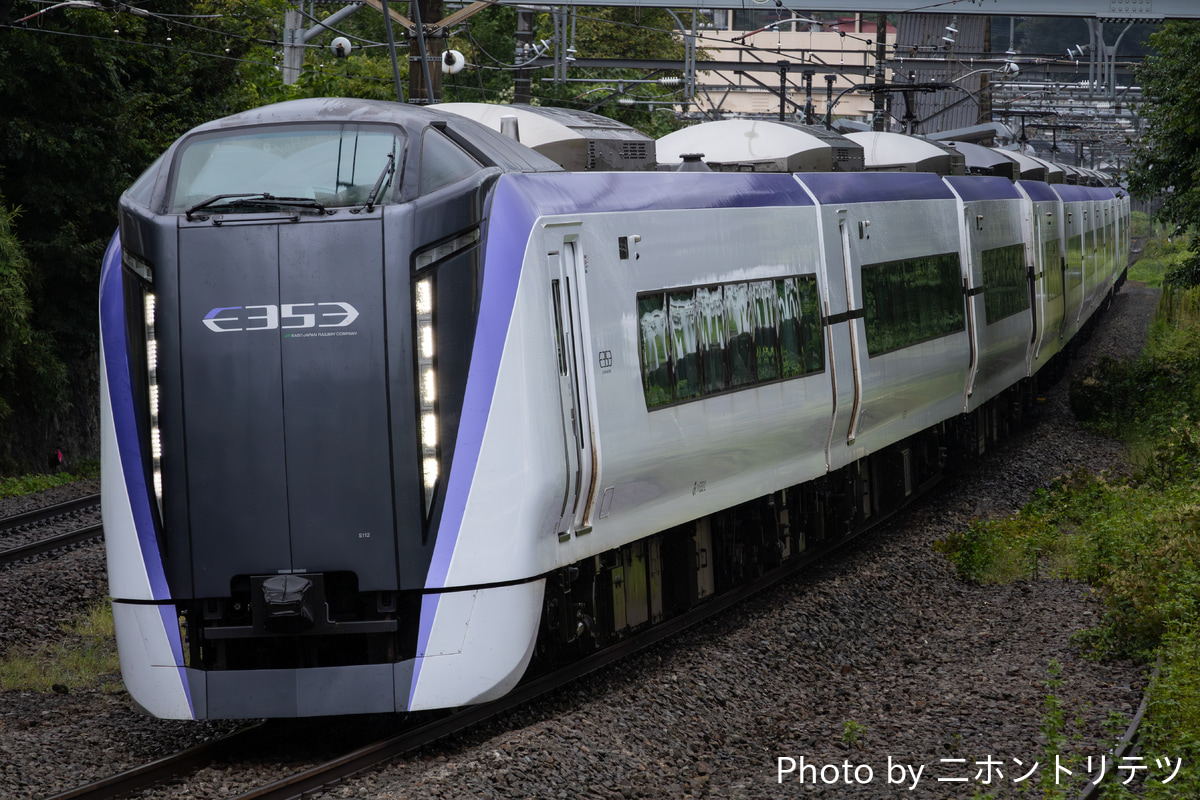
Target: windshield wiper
<point>388,169</point>
<point>260,198</point>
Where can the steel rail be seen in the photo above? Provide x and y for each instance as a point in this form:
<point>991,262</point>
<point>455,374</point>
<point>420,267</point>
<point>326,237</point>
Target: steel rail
<point>1129,743</point>
<point>49,512</point>
<point>24,551</point>
<point>156,772</point>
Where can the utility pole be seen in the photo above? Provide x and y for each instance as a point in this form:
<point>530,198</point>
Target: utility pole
<point>423,51</point>
<point>521,81</point>
<point>293,43</point>
<point>880,122</point>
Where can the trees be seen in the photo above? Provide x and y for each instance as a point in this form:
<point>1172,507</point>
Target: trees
<point>88,98</point>
<point>1167,158</point>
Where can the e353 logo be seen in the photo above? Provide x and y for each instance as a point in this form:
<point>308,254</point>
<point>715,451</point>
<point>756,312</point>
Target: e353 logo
<point>228,319</point>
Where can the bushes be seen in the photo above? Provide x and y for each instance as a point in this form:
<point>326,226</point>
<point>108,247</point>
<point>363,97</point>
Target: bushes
<point>31,374</point>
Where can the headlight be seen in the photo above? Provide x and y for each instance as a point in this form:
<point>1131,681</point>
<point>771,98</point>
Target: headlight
<point>426,388</point>
<point>152,391</point>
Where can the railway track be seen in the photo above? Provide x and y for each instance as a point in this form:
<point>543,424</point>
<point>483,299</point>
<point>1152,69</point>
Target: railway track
<point>38,515</point>
<point>311,781</point>
<point>12,528</point>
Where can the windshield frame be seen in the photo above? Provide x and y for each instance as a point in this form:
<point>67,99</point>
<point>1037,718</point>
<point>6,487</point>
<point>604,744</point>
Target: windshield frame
<point>369,172</point>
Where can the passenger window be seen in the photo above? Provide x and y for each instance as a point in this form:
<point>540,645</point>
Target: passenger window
<point>711,339</point>
<point>656,364</point>
<point>791,336</point>
<point>711,307</point>
<point>912,300</point>
<point>685,344</point>
<point>739,342</point>
<point>1006,287</point>
<point>442,161</point>
<point>765,308</point>
<point>1074,261</point>
<point>1053,267</point>
<point>801,349</point>
<point>810,324</point>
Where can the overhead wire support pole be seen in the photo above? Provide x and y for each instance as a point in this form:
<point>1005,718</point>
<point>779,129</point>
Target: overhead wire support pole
<point>387,24</point>
<point>880,121</point>
<point>415,6</point>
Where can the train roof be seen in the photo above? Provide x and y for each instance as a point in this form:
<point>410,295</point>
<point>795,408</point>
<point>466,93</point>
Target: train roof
<point>896,152</point>
<point>747,145</point>
<point>1030,169</point>
<point>982,160</point>
<point>576,140</point>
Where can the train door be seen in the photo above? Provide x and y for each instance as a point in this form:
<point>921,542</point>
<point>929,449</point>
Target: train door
<point>858,347</point>
<point>567,298</point>
<point>973,288</point>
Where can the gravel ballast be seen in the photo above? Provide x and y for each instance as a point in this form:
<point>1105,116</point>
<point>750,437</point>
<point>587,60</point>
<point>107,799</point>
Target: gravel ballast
<point>877,653</point>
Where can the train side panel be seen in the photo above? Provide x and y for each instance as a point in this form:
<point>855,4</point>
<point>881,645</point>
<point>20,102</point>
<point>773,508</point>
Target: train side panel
<point>997,284</point>
<point>1044,240</point>
<point>896,239</point>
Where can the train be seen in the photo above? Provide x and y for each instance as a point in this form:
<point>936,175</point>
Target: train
<point>398,409</point>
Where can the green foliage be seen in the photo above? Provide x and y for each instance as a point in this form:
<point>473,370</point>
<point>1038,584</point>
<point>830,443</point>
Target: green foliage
<point>851,730</point>
<point>1161,383</point>
<point>1141,224</point>
<point>1136,540</point>
<point>30,372</point>
<point>1053,728</point>
<point>619,32</point>
<point>1167,157</point>
<point>28,484</point>
<point>1161,257</point>
<point>1172,726</point>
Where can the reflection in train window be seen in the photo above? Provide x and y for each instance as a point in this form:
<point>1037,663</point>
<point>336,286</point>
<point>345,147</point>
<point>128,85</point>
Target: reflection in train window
<point>713,339</point>
<point>912,300</point>
<point>1052,264</point>
<point>656,367</point>
<point>740,336</point>
<point>800,327</point>
<point>765,312</point>
<point>1074,262</point>
<point>685,344</point>
<point>1005,282</point>
<point>710,306</point>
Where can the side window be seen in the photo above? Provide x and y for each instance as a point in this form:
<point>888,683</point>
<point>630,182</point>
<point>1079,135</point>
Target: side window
<point>912,300</point>
<point>685,344</point>
<point>1053,267</point>
<point>712,339</point>
<point>800,327</point>
<point>442,161</point>
<point>710,304</point>
<point>1074,261</point>
<point>765,308</point>
<point>1006,288</point>
<point>656,361</point>
<point>810,324</point>
<point>739,341</point>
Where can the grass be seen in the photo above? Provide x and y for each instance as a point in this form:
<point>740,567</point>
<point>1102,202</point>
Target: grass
<point>28,484</point>
<point>1161,254</point>
<point>1135,539</point>
<point>84,659</point>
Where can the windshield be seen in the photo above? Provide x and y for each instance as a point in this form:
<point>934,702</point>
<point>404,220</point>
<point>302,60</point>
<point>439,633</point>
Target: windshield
<point>332,165</point>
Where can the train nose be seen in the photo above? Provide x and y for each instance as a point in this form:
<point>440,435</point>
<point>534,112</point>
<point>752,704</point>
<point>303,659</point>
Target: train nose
<point>285,403</point>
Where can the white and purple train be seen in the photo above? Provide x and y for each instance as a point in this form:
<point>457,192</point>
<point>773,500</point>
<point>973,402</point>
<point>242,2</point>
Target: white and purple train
<point>395,410</point>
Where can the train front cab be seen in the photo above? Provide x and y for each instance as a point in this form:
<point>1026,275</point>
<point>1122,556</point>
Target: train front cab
<point>283,484</point>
